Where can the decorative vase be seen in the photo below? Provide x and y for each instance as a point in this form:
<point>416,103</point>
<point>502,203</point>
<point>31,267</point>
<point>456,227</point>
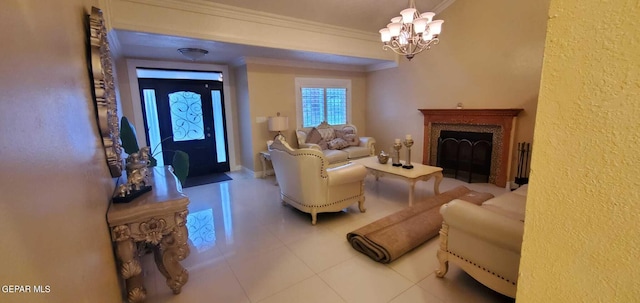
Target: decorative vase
<point>383,157</point>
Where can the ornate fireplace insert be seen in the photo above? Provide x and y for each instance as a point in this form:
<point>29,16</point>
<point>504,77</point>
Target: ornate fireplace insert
<point>465,155</point>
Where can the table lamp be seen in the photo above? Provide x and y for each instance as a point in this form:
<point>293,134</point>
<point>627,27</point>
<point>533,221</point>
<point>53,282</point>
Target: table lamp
<point>278,124</point>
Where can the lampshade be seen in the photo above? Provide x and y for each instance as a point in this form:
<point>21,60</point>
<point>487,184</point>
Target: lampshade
<point>278,123</point>
<point>420,25</point>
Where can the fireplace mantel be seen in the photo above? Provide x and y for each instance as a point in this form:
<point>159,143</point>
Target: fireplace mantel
<point>504,118</point>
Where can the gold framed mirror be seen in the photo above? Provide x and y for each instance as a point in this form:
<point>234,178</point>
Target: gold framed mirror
<point>103,91</point>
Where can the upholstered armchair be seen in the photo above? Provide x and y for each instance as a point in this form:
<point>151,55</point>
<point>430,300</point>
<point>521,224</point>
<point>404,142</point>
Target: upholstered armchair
<point>307,183</point>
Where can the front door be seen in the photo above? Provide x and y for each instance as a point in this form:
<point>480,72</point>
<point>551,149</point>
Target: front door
<point>185,119</point>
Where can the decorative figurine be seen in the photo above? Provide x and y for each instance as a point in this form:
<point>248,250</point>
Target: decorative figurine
<point>145,154</point>
<point>137,177</point>
<point>123,190</point>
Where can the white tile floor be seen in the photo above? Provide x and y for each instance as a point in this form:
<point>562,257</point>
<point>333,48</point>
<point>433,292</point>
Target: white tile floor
<point>247,247</point>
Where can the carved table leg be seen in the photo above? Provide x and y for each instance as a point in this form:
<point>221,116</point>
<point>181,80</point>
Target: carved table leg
<point>129,266</point>
<point>412,187</point>
<point>173,248</point>
<point>436,183</point>
<point>264,166</point>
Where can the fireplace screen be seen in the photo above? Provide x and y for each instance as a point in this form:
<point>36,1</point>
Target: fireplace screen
<point>465,155</point>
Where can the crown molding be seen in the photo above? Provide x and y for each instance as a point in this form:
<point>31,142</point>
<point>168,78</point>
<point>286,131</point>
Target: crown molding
<point>253,16</point>
<point>298,64</point>
<point>381,66</point>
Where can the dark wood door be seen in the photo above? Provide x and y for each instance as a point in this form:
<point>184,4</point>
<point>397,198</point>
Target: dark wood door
<point>185,110</point>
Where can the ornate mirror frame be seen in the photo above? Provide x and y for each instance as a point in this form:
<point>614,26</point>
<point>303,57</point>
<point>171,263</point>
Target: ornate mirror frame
<point>103,91</point>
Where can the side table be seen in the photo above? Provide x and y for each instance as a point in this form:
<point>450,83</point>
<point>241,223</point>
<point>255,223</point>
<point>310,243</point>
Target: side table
<point>158,218</point>
<point>264,156</point>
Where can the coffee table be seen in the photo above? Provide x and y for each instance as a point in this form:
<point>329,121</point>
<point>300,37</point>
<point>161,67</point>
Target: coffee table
<point>419,172</point>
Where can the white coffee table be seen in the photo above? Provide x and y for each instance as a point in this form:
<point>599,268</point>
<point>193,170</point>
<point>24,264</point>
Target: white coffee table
<point>419,172</point>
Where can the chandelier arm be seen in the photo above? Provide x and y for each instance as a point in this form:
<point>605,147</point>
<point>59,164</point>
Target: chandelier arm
<point>407,50</point>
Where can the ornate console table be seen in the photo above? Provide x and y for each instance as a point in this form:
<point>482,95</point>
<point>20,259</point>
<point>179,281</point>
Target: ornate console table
<point>158,218</point>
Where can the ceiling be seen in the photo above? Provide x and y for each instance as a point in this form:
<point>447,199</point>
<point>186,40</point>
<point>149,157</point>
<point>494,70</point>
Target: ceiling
<point>364,15</point>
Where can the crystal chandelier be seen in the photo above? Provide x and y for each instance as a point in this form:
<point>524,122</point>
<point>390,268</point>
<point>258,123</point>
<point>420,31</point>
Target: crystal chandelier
<point>412,32</point>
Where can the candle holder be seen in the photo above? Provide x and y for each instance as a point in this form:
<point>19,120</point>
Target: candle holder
<point>396,155</point>
<point>408,143</point>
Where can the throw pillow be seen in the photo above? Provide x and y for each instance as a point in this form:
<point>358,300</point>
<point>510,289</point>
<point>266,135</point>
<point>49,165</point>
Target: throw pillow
<point>349,130</point>
<point>328,134</point>
<point>340,134</point>
<point>352,139</point>
<point>338,143</point>
<point>323,144</point>
<point>313,136</point>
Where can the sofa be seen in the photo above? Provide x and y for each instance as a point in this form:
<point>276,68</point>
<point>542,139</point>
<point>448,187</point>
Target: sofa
<point>338,143</point>
<point>310,185</point>
<point>485,240</point>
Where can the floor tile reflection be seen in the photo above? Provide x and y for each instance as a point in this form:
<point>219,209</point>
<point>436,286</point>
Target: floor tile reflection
<point>246,246</point>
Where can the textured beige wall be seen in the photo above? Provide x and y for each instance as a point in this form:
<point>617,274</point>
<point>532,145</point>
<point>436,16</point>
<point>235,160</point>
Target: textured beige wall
<point>581,239</point>
<point>272,89</point>
<point>54,181</point>
<point>490,56</point>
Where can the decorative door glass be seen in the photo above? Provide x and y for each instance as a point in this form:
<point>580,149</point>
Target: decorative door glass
<point>186,116</point>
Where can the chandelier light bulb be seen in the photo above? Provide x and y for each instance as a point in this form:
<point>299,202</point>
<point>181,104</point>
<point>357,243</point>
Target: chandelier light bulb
<point>427,37</point>
<point>420,25</point>
<point>385,35</point>
<point>407,15</point>
<point>394,29</point>
<point>428,15</point>
<point>435,27</point>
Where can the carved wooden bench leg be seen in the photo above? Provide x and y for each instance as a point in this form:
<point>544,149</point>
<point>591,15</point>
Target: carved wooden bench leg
<point>442,252</point>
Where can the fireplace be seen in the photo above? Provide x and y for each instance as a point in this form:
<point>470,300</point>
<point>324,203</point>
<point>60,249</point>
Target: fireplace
<point>465,155</point>
<point>496,122</point>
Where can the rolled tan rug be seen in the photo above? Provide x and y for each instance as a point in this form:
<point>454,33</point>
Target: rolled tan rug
<point>390,237</point>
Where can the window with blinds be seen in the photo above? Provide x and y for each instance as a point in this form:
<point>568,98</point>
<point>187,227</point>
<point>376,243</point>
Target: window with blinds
<point>323,101</point>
